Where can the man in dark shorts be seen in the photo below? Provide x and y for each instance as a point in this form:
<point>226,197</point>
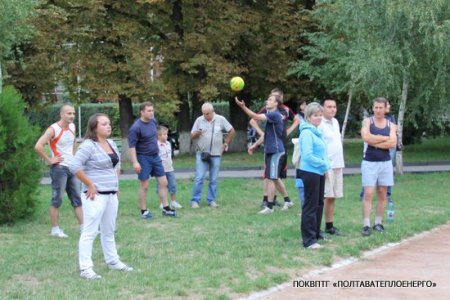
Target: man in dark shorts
<point>288,115</point>
<point>144,153</point>
<point>273,147</point>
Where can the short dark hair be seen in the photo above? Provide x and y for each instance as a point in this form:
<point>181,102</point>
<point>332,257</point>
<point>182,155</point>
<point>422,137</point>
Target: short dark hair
<point>67,104</point>
<point>278,91</point>
<point>380,100</point>
<point>144,105</point>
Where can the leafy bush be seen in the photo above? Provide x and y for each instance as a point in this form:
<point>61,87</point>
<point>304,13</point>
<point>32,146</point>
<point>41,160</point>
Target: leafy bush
<point>19,166</point>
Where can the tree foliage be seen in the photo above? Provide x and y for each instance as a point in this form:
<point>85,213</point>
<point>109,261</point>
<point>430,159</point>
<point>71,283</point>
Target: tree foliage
<point>374,47</point>
<point>13,26</point>
<point>19,168</point>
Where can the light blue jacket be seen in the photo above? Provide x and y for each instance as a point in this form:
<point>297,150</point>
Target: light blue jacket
<point>313,150</point>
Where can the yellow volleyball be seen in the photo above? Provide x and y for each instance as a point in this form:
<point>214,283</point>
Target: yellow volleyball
<point>237,83</point>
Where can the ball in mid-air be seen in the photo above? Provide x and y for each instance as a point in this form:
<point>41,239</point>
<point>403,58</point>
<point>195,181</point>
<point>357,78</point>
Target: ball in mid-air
<point>237,83</point>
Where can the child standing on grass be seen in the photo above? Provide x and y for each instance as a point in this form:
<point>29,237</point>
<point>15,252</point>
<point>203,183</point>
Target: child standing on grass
<point>165,152</point>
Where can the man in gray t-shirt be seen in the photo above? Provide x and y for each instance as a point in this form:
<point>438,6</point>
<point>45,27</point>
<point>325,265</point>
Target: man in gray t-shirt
<point>209,130</point>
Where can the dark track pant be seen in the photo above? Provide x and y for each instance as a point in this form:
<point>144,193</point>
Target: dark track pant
<point>313,208</point>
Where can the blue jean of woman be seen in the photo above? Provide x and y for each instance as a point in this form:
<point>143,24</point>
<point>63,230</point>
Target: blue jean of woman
<point>201,167</point>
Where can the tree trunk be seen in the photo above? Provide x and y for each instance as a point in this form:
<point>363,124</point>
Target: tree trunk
<point>184,125</point>
<point>126,120</point>
<point>1,78</point>
<point>239,120</point>
<point>401,115</point>
<point>347,112</point>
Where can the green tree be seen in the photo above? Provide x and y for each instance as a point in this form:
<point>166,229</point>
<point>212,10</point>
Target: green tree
<point>19,168</point>
<point>13,27</point>
<point>204,45</point>
<point>398,49</point>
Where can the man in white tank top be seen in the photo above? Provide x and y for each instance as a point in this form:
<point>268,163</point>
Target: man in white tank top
<point>61,138</point>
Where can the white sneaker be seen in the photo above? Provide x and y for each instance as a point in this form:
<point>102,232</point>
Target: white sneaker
<point>314,246</point>
<point>175,205</point>
<point>120,266</point>
<point>265,211</point>
<point>59,234</point>
<point>161,206</point>
<point>195,205</point>
<point>89,274</point>
<point>287,205</point>
<point>213,204</point>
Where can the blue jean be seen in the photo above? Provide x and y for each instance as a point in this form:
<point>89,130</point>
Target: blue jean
<point>201,167</point>
<point>171,183</point>
<point>63,179</point>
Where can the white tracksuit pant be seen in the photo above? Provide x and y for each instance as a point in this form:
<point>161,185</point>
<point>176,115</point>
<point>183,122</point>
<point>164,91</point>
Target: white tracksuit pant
<point>100,212</point>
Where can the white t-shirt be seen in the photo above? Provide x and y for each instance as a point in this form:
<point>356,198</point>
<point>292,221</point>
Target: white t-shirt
<point>221,126</point>
<point>62,142</point>
<point>332,135</point>
<point>165,152</point>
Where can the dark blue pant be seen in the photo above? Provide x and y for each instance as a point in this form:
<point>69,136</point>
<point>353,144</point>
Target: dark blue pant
<point>313,207</point>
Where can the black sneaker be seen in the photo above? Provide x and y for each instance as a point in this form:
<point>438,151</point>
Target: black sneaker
<point>366,231</point>
<point>169,213</point>
<point>333,230</point>
<point>378,228</point>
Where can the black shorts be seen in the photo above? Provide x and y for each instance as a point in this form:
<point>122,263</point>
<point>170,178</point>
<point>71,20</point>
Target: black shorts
<point>275,166</point>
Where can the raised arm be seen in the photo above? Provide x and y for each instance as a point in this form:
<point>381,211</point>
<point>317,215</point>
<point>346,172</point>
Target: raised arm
<point>251,114</point>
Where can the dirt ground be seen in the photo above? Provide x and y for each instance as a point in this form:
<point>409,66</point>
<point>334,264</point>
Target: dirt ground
<point>419,268</point>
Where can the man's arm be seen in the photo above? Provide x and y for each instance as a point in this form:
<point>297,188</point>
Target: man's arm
<point>293,126</point>
<point>40,148</point>
<point>392,140</point>
<point>256,126</point>
<point>251,114</point>
<point>134,161</point>
<point>228,139</point>
<point>369,138</point>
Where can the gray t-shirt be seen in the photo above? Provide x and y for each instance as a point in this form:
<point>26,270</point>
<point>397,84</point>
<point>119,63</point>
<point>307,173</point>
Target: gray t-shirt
<point>221,126</point>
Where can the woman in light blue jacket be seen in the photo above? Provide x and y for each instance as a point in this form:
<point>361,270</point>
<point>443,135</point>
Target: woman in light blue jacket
<point>313,166</point>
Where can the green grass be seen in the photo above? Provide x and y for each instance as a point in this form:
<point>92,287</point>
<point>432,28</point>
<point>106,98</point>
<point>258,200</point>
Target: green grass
<point>205,253</point>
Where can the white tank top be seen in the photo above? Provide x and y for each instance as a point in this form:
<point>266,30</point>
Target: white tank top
<point>62,142</point>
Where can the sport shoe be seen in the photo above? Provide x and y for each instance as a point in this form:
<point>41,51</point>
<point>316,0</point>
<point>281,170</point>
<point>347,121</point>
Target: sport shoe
<point>147,215</point>
<point>213,204</point>
<point>378,228</point>
<point>265,211</point>
<point>194,205</point>
<point>366,231</point>
<point>333,230</point>
<point>89,274</point>
<point>169,213</point>
<point>287,205</point>
<point>263,204</point>
<point>175,204</point>
<point>59,234</point>
<point>120,266</point>
<point>314,246</point>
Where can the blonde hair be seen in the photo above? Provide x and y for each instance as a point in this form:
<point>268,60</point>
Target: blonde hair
<point>311,109</point>
<point>162,129</point>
